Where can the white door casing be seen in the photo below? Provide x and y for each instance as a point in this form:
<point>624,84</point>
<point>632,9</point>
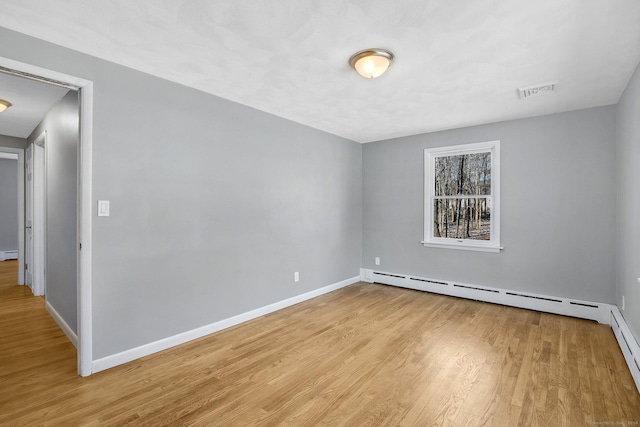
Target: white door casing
<point>85,204</point>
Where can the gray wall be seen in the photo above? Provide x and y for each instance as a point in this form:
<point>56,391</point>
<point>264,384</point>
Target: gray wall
<point>61,124</point>
<point>557,207</point>
<point>214,205</point>
<point>628,155</point>
<point>12,142</point>
<point>8,205</point>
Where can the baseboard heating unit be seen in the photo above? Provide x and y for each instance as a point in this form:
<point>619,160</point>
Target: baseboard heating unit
<point>7,255</point>
<point>601,312</point>
<point>628,344</point>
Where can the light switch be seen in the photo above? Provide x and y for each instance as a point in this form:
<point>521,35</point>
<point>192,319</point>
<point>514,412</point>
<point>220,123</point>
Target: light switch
<point>103,208</point>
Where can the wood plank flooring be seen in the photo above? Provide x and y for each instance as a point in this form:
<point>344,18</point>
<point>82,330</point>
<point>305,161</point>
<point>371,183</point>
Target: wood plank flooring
<point>363,355</point>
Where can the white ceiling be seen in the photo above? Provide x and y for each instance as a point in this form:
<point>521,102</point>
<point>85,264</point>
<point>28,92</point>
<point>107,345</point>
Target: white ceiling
<point>458,62</point>
<point>30,102</point>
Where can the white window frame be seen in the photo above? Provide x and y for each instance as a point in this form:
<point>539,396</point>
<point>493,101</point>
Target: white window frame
<point>430,154</point>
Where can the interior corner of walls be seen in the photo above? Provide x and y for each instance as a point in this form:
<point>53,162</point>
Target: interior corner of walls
<point>366,275</point>
<point>604,313</point>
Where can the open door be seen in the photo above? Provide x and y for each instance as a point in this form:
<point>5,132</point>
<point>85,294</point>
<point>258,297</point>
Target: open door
<point>28,223</point>
<point>34,221</point>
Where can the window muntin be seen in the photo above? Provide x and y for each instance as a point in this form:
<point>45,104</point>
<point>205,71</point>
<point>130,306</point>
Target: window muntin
<point>462,196</point>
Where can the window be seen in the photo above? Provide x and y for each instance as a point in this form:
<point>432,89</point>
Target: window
<point>462,197</point>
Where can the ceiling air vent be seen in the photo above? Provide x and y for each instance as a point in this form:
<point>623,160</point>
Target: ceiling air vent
<point>537,90</point>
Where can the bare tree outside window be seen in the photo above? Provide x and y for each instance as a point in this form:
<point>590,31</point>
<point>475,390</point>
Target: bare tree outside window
<point>462,196</point>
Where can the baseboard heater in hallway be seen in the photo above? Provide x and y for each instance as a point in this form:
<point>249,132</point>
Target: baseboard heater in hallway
<point>7,255</point>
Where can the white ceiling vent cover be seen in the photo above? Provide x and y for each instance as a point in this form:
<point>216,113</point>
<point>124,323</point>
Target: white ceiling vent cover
<point>537,90</point>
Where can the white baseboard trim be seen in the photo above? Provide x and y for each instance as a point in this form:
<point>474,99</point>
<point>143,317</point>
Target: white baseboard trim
<point>165,343</point>
<point>7,255</point>
<point>600,312</point>
<point>63,325</point>
<point>628,344</point>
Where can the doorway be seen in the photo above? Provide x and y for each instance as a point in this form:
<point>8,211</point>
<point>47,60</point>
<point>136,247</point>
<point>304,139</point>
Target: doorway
<point>35,214</point>
<point>84,89</point>
<point>17,155</point>
<point>9,206</point>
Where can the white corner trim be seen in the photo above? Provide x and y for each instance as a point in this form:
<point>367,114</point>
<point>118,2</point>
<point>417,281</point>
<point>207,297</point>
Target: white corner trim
<point>600,312</point>
<point>628,344</point>
<point>63,325</point>
<point>165,343</point>
<point>366,275</point>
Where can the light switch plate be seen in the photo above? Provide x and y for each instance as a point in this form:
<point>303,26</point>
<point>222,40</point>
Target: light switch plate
<point>103,208</point>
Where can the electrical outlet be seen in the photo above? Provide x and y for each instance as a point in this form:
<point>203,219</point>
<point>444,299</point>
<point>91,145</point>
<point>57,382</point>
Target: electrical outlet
<point>377,260</point>
<point>622,302</point>
<point>296,277</point>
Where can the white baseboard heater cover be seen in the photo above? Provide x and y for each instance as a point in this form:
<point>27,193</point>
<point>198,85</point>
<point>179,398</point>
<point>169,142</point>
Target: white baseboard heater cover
<point>628,344</point>
<point>601,312</point>
<point>7,255</point>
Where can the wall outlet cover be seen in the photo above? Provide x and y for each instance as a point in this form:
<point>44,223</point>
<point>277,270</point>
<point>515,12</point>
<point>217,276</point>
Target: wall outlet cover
<point>103,208</point>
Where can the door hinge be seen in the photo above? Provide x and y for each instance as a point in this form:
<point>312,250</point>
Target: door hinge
<point>80,246</point>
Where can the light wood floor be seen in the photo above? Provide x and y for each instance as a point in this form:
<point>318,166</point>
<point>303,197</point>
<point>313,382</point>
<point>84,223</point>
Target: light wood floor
<point>363,355</point>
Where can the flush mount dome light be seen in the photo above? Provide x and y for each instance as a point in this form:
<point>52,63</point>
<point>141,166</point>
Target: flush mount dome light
<point>4,105</point>
<point>371,63</point>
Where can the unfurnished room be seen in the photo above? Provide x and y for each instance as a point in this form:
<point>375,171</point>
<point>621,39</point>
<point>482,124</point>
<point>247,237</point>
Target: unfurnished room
<point>320,213</point>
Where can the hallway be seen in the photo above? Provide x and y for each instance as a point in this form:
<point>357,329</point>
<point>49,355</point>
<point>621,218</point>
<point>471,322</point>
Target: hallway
<point>29,338</point>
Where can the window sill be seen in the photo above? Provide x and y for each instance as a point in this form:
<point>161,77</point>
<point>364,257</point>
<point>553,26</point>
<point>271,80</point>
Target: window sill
<point>463,246</point>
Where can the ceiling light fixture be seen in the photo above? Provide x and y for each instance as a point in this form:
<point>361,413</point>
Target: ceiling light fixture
<point>4,105</point>
<point>371,63</point>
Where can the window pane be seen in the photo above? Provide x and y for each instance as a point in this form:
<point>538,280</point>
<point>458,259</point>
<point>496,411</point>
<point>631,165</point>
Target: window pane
<point>467,174</point>
<point>463,218</point>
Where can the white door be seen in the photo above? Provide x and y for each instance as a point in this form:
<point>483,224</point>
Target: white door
<point>35,216</point>
<point>28,260</point>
